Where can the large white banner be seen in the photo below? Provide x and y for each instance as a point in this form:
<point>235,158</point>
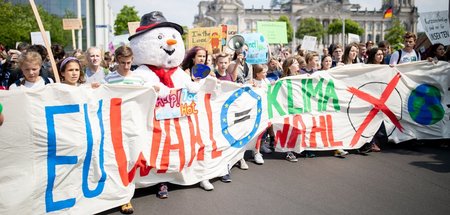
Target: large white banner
<point>78,150</point>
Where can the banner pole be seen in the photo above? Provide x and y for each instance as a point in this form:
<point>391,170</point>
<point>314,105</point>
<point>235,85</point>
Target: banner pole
<point>73,40</point>
<point>47,44</point>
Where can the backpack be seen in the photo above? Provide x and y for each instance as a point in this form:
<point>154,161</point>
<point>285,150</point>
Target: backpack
<point>22,82</point>
<point>400,54</point>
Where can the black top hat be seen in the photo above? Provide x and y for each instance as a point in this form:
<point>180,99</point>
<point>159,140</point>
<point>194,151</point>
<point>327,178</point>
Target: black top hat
<point>153,20</point>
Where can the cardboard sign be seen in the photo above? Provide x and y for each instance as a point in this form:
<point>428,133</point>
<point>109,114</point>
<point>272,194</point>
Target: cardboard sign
<point>132,26</point>
<point>209,38</point>
<point>72,24</point>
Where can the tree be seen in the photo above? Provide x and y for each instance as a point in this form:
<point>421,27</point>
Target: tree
<point>310,27</point>
<point>288,27</point>
<point>351,26</point>
<point>126,14</point>
<point>18,21</point>
<point>395,34</point>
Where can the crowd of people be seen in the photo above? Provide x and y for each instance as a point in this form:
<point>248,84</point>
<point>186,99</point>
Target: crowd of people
<point>29,66</point>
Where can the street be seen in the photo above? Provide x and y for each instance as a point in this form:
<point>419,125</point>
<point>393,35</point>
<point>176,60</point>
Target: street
<point>402,179</point>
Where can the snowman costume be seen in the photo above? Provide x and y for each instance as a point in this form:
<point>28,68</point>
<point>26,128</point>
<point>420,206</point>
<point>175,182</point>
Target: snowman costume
<point>159,50</point>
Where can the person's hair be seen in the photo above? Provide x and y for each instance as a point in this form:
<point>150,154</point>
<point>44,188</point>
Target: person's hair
<point>286,64</point>
<point>362,44</point>
<point>337,46</point>
<point>345,57</point>
<point>30,56</point>
<point>432,50</point>
<point>383,44</point>
<point>257,68</point>
<point>62,67</point>
<point>323,58</point>
<point>370,42</point>
<point>188,61</point>
<point>221,55</point>
<point>39,49</point>
<point>76,51</point>
<point>58,52</point>
<point>123,51</point>
<point>23,46</point>
<point>372,55</point>
<point>310,55</point>
<point>409,35</point>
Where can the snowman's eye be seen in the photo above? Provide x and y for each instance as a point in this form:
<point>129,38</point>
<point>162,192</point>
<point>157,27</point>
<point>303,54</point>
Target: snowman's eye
<point>160,36</point>
<point>174,36</point>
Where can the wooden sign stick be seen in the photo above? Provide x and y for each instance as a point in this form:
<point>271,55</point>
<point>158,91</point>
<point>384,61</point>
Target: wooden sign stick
<point>47,44</point>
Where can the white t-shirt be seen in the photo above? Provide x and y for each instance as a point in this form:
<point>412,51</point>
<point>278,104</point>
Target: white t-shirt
<point>261,83</point>
<point>27,84</point>
<point>406,57</point>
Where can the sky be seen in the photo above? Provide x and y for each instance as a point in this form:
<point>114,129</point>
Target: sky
<point>183,12</point>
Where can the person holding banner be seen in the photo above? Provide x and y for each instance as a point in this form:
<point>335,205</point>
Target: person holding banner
<point>70,71</point>
<point>94,72</point>
<point>407,54</point>
<point>437,52</point>
<point>274,70</point>
<point>30,64</point>
<point>222,62</point>
<point>376,56</point>
<point>196,55</point>
<point>312,62</point>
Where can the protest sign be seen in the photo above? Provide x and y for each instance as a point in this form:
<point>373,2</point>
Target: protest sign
<point>274,32</point>
<point>436,26</point>
<point>309,43</point>
<point>37,39</point>
<point>87,149</point>
<point>210,38</point>
<point>258,49</point>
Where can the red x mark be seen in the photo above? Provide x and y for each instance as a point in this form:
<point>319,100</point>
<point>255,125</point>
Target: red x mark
<point>378,105</point>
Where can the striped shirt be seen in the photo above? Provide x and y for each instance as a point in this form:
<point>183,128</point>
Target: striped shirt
<point>116,78</point>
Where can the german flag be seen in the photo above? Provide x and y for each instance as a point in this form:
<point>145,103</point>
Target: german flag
<point>387,13</point>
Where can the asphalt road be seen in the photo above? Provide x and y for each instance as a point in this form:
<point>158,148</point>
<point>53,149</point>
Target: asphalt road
<point>402,179</point>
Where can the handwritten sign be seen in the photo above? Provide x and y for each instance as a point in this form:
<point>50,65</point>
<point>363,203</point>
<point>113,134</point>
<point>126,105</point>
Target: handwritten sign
<point>275,32</point>
<point>257,48</point>
<point>179,103</point>
<point>209,38</point>
<point>436,25</point>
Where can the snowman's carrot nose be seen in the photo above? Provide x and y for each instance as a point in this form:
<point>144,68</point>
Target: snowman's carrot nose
<point>171,42</point>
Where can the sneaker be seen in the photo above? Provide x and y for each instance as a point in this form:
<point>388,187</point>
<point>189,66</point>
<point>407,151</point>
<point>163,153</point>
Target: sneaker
<point>291,157</point>
<point>226,178</point>
<point>265,149</point>
<point>163,192</point>
<point>258,158</point>
<point>206,185</point>
<point>243,165</point>
<point>340,153</point>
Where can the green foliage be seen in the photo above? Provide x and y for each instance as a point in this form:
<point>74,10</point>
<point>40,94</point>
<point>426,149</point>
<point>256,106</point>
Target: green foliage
<point>394,35</point>
<point>184,36</point>
<point>351,26</point>
<point>19,20</point>
<point>126,14</point>
<point>289,29</point>
<point>310,27</point>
